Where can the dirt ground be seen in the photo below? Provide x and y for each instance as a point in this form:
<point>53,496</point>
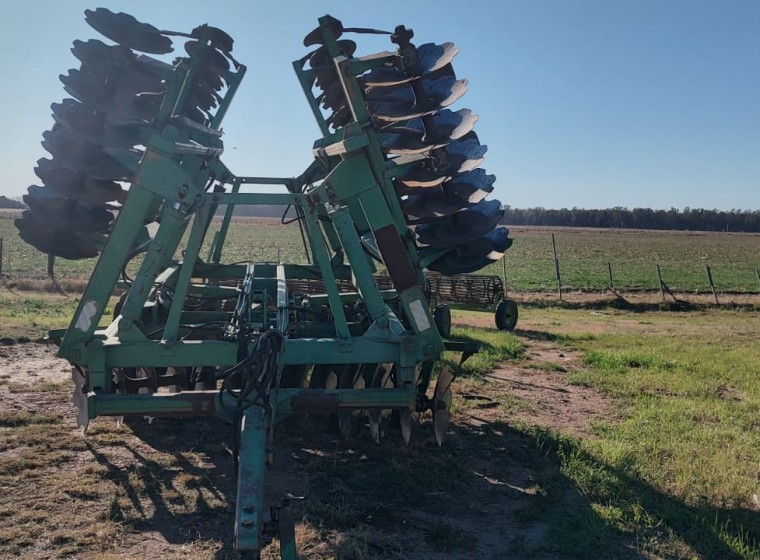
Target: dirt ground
<point>167,489</point>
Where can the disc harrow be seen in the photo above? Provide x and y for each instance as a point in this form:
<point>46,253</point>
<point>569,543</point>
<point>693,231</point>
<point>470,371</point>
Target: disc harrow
<point>135,164</point>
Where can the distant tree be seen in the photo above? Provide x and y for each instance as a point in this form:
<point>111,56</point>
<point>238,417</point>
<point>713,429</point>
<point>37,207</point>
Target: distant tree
<point>10,203</point>
<point>697,219</point>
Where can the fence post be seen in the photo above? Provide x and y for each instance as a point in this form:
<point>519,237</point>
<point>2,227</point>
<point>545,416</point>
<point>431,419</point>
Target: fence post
<point>609,271</point>
<point>556,268</point>
<point>504,273</point>
<point>757,270</point>
<point>51,266</point>
<point>659,278</point>
<point>1,256</point>
<point>710,280</point>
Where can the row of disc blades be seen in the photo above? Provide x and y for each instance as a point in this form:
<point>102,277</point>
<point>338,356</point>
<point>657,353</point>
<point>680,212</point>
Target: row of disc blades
<point>95,142</point>
<point>370,376</point>
<point>443,191</point>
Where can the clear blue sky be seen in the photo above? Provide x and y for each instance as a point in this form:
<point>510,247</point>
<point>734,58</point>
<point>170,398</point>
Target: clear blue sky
<point>592,103</point>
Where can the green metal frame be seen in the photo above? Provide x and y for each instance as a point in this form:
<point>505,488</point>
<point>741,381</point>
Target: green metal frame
<point>345,199</point>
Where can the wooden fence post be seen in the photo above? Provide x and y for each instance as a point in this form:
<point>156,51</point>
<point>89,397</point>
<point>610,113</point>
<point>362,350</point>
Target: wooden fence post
<point>757,270</point>
<point>710,280</point>
<point>556,268</point>
<point>51,266</point>
<point>1,256</point>
<point>609,271</point>
<point>659,278</point>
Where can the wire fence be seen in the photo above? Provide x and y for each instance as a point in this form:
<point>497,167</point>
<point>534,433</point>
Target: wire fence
<point>540,260</point>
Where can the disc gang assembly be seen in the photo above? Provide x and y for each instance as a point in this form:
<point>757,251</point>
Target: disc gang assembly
<point>135,177</point>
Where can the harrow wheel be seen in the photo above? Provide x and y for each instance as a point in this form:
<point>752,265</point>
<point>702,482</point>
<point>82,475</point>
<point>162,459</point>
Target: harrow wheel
<point>506,315</point>
<point>442,318</point>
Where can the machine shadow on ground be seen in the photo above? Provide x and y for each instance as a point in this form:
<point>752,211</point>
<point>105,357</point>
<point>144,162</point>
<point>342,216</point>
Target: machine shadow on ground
<point>492,491</point>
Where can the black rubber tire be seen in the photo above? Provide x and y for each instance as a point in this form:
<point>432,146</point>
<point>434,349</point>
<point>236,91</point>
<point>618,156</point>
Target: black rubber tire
<point>442,318</point>
<point>506,315</point>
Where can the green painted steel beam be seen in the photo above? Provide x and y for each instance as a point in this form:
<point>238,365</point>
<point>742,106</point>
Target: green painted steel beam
<point>216,403</point>
<point>249,503</point>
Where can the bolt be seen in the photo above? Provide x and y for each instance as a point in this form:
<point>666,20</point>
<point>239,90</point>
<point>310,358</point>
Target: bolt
<point>247,523</point>
<point>248,509</point>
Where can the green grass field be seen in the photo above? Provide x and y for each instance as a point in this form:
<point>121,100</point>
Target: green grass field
<point>584,256</point>
<point>668,468</point>
<point>679,469</point>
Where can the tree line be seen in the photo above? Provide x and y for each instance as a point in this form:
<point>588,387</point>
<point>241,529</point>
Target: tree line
<point>695,219</point>
<point>10,203</point>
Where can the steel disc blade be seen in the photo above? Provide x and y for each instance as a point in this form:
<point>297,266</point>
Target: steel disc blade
<point>431,57</point>
<point>380,380</point>
<point>408,108</point>
<point>409,144</point>
<point>334,97</point>
<point>84,85</point>
<point>466,153</point>
<point>207,75</point>
<point>79,398</point>
<point>77,186</point>
<point>340,117</point>
<point>442,86</point>
<point>475,185</point>
<point>462,226</point>
<point>406,420</point>
<point>350,378</point>
<point>100,163</point>
<point>101,58</point>
<point>431,206</point>
<point>442,405</point>
<point>420,135</point>
<point>87,125</point>
<point>314,37</point>
<point>218,38</point>
<point>134,77</point>
<point>389,111</point>
<point>321,56</point>
<point>326,77</point>
<point>54,241</point>
<point>65,147</point>
<point>420,176</point>
<point>294,376</point>
<point>474,255</point>
<point>211,57</point>
<point>401,94</point>
<point>126,30</point>
<point>119,104</point>
<point>66,213</point>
